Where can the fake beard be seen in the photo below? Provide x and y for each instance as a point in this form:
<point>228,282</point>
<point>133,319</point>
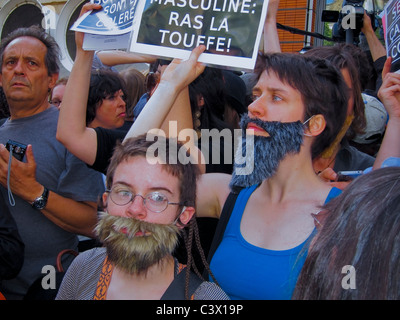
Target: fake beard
<point>284,138</point>
<point>135,245</point>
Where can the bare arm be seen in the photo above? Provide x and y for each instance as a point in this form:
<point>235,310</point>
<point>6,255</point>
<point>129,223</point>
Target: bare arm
<point>82,141</point>
<point>271,38</point>
<point>170,102</point>
<point>389,94</point>
<point>179,124</point>
<point>212,191</point>
<point>115,57</point>
<point>71,129</point>
<point>176,77</point>
<point>375,46</point>
<point>73,216</point>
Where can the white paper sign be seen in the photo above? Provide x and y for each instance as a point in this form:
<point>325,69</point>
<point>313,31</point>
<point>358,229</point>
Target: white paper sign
<point>114,18</point>
<point>106,42</point>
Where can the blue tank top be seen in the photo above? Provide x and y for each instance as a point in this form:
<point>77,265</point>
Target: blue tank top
<point>248,272</point>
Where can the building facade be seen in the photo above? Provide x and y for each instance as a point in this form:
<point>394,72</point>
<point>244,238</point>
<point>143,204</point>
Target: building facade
<point>57,16</point>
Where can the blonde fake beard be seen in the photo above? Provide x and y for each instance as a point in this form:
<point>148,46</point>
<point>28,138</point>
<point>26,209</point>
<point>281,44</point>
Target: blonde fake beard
<point>133,245</point>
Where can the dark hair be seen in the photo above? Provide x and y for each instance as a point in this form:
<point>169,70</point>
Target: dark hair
<point>361,229</point>
<point>364,65</point>
<point>103,84</point>
<point>341,56</point>
<point>209,86</point>
<point>321,86</point>
<point>52,58</point>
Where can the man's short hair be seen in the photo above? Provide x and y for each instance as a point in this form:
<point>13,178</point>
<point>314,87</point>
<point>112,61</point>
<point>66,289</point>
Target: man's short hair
<point>52,58</point>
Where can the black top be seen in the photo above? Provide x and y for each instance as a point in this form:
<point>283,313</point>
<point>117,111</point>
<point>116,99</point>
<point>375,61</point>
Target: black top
<point>11,245</point>
<point>106,141</point>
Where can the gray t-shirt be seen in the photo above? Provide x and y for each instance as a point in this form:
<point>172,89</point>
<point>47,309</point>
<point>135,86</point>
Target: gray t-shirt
<point>60,172</point>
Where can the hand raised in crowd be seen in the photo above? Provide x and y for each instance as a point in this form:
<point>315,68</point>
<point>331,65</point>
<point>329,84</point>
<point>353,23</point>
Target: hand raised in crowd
<point>181,73</point>
<point>389,92</point>
<point>271,37</point>
<point>80,35</point>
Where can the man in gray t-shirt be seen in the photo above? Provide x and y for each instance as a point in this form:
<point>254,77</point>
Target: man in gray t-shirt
<point>55,193</point>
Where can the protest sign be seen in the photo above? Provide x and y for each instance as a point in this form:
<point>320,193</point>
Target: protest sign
<point>115,17</point>
<point>106,42</point>
<point>392,33</point>
<point>108,28</point>
<point>230,29</point>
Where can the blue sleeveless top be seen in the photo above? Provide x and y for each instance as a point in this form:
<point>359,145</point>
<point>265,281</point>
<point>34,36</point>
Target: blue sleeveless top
<point>245,271</point>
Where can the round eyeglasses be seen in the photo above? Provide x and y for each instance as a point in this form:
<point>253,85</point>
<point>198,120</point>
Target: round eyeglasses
<point>154,201</point>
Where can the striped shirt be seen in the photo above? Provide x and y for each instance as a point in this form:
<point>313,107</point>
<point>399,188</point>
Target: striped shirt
<point>81,279</point>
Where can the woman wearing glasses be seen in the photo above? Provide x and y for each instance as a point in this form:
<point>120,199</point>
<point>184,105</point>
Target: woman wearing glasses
<point>146,205</point>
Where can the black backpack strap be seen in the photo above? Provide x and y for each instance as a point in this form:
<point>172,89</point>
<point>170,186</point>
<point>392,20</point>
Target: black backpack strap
<point>222,223</point>
<point>176,290</point>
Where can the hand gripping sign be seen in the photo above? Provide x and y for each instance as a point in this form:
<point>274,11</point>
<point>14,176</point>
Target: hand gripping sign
<point>108,28</point>
<point>114,18</point>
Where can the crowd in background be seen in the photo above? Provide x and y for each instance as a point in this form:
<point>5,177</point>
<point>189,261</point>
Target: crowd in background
<point>288,228</point>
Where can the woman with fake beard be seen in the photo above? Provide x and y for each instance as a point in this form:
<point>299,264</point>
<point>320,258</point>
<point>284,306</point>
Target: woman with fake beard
<point>299,105</point>
<point>291,117</point>
<point>340,155</point>
<point>149,200</point>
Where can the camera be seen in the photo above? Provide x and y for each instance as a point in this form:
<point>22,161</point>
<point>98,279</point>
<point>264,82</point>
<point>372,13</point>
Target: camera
<point>18,149</point>
<point>347,30</point>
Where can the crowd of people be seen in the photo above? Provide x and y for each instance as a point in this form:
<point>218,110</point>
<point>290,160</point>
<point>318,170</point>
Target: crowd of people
<point>126,161</point>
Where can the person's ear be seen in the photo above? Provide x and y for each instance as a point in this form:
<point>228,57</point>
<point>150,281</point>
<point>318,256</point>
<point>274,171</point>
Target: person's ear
<point>52,80</point>
<point>185,216</point>
<point>315,126</point>
<point>104,198</point>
